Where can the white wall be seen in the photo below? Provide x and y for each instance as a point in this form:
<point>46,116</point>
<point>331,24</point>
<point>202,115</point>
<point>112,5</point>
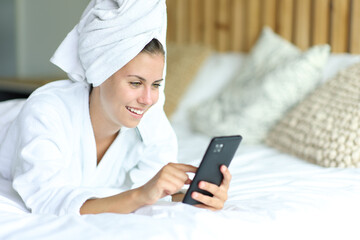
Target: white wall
<point>7,38</point>
<point>41,25</point>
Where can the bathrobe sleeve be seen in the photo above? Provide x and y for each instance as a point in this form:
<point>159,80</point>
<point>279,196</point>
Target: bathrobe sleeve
<point>41,173</point>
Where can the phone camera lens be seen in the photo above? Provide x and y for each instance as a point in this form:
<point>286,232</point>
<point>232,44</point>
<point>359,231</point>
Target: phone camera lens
<point>218,147</point>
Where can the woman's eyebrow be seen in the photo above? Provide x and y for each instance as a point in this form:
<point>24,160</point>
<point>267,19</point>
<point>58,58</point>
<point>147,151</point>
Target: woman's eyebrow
<point>143,79</point>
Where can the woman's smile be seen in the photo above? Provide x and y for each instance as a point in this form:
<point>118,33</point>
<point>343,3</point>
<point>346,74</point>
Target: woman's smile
<point>138,113</point>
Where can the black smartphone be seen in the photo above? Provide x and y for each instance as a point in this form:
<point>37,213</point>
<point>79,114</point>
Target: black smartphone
<point>220,151</point>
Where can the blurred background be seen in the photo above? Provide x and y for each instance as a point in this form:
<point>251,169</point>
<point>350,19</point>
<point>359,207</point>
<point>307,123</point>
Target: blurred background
<point>31,30</point>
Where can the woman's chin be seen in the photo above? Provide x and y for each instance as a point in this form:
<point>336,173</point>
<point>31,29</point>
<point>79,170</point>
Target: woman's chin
<point>131,124</point>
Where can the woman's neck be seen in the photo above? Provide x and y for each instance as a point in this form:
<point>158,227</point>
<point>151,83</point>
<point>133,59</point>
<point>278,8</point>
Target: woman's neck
<point>104,132</point>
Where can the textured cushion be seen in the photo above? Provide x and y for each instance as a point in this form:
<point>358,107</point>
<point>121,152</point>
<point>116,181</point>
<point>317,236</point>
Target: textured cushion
<point>183,62</point>
<point>275,76</point>
<point>325,127</point>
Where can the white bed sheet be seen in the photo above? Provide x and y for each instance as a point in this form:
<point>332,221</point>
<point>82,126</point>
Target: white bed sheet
<point>272,196</point>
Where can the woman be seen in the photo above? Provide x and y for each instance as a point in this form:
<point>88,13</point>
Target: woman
<point>101,142</point>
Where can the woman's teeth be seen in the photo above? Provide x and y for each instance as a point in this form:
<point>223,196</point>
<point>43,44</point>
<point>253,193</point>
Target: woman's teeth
<point>135,110</point>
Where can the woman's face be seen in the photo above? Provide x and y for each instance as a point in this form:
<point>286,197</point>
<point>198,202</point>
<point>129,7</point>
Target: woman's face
<point>128,94</point>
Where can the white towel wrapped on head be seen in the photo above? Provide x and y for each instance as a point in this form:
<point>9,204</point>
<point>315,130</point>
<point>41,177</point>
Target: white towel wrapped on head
<point>110,33</point>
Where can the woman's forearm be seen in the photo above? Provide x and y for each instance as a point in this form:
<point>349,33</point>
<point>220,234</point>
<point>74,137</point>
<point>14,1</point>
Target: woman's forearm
<point>125,202</point>
<point>168,181</point>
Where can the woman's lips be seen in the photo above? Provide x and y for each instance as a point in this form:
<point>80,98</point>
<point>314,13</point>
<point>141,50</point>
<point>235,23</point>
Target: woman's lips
<point>135,110</point>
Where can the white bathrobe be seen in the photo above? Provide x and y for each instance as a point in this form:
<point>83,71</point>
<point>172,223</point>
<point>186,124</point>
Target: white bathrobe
<point>49,151</point>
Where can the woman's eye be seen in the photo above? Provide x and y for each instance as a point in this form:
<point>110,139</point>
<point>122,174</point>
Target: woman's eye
<point>156,85</point>
<point>135,84</point>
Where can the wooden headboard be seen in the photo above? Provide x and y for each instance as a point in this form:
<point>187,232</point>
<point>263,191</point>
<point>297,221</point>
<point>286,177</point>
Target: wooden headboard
<point>234,25</point>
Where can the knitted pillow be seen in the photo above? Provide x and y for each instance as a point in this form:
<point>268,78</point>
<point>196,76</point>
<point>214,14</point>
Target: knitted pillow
<point>325,127</point>
<point>183,62</point>
<point>275,76</point>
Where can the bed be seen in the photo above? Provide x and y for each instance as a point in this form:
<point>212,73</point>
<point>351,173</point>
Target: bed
<point>274,193</point>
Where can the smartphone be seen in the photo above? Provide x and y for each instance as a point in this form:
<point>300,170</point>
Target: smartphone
<point>220,151</point>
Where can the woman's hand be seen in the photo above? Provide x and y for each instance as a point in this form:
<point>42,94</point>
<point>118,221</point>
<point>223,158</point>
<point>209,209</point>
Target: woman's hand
<point>169,180</point>
<point>220,193</point>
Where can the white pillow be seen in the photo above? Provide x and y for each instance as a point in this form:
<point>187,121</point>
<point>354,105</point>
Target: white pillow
<point>275,76</point>
<point>337,62</point>
<point>222,66</point>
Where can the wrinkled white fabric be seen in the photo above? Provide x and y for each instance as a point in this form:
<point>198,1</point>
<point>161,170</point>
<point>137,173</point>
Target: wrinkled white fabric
<point>110,33</point>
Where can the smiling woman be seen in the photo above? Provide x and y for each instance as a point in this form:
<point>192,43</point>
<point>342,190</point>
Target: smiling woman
<point>100,141</point>
<point>123,99</point>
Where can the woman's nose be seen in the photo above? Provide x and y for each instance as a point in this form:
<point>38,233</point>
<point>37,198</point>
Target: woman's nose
<point>147,97</point>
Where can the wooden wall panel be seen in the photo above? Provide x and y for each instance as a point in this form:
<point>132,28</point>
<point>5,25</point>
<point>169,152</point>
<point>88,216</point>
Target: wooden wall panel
<point>196,20</point>
<point>301,27</point>
<point>321,21</point>
<point>268,13</point>
<point>253,19</point>
<point>171,20</point>
<point>210,22</point>
<point>355,27</point>
<point>339,32</point>
<point>234,25</point>
<point>182,18</point>
<point>284,23</point>
<point>238,26</point>
<point>223,26</point>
